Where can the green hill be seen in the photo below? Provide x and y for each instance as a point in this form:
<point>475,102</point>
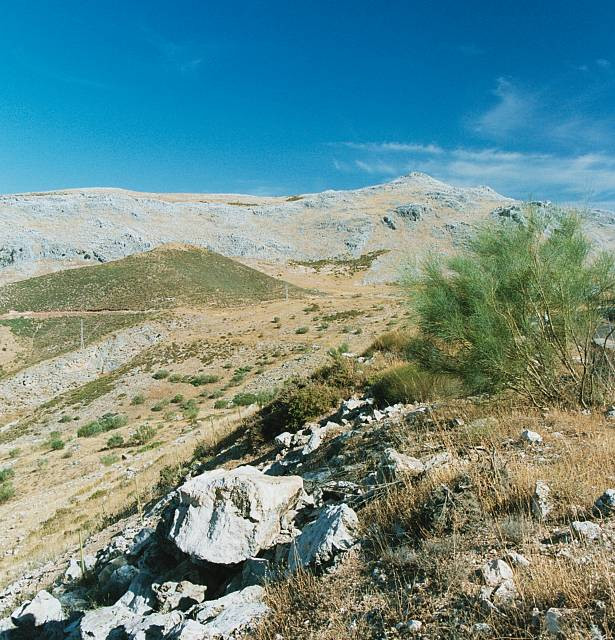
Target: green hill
<point>164,278</point>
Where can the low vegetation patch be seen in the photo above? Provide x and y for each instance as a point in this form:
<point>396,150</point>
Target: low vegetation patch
<point>107,422</point>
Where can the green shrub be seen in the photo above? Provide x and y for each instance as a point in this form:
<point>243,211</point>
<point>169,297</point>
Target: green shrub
<point>408,383</point>
<point>221,404</point>
<point>137,400</point>
<point>7,491</point>
<point>297,403</point>
<point>244,399</point>
<point>65,418</point>
<point>177,399</point>
<point>190,410</point>
<point>6,474</point>
<point>13,453</point>
<point>56,443</point>
<point>161,374</point>
<point>170,477</point>
<point>109,459</point>
<point>115,441</point>
<point>107,422</point>
<point>159,406</point>
<point>201,379</point>
<point>521,308</point>
<point>143,434</point>
<point>216,394</point>
<point>301,330</point>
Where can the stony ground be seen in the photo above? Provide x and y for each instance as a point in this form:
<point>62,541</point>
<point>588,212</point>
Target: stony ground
<point>454,520</point>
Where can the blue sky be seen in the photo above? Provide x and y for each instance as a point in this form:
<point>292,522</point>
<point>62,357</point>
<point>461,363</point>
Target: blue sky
<point>285,97</point>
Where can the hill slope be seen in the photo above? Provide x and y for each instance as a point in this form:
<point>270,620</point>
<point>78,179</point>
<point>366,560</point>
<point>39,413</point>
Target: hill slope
<point>42,232</point>
<point>163,278</point>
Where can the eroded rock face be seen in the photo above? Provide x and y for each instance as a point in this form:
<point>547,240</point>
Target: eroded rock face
<point>225,517</point>
<point>333,532</point>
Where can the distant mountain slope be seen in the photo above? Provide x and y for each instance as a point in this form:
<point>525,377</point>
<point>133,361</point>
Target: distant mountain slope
<point>42,232</point>
<point>409,216</point>
<point>163,278</point>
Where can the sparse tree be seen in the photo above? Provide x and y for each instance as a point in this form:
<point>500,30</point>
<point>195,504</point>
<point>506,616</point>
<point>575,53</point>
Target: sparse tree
<point>525,307</point>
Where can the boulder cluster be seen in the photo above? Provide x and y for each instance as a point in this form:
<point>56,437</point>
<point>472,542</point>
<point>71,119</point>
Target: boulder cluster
<point>196,564</point>
<point>195,569</point>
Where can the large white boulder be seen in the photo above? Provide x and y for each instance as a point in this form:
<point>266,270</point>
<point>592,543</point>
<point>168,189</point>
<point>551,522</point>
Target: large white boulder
<point>225,517</point>
<point>43,608</point>
<point>334,531</point>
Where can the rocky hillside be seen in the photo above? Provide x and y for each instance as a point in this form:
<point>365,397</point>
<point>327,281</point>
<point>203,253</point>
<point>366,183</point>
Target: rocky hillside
<point>414,521</point>
<point>47,231</point>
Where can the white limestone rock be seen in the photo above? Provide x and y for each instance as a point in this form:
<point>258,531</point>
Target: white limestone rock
<point>334,531</point>
<point>225,517</point>
<point>234,613</point>
<point>43,608</point>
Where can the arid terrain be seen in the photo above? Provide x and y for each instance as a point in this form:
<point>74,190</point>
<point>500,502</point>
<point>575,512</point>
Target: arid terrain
<point>141,334</point>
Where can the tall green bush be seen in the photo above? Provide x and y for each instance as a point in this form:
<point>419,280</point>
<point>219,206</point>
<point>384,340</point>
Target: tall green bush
<point>521,308</point>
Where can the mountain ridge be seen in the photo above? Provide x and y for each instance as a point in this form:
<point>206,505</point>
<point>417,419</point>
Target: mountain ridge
<point>48,231</point>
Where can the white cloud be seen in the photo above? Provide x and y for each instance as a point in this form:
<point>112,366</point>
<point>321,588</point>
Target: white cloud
<point>583,178</point>
<point>513,110</point>
<point>394,147</point>
<point>603,63</point>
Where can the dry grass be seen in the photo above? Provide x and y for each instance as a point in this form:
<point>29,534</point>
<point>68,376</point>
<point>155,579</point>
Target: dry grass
<point>425,539</point>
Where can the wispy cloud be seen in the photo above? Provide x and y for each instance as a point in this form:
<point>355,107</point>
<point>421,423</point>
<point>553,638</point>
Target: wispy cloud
<point>571,178</point>
<point>513,109</point>
<point>393,147</point>
<point>549,117</point>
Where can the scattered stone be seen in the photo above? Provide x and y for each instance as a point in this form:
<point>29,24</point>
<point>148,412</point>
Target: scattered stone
<point>609,414</point>
<point>100,624</point>
<point>481,629</point>
<point>586,530</point>
<point>397,465</point>
<point>233,613</point>
<point>437,460</point>
<point>333,532</point>
<point>531,437</point>
<point>43,608</point>
<point>555,621</point>
<point>140,597</point>
<point>178,595</point>
<point>541,504</point>
<point>156,625</point>
<point>225,517</point>
<point>517,559</point>
<point>495,572</point>
<point>605,504</point>
<point>283,441</point>
<point>74,571</point>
